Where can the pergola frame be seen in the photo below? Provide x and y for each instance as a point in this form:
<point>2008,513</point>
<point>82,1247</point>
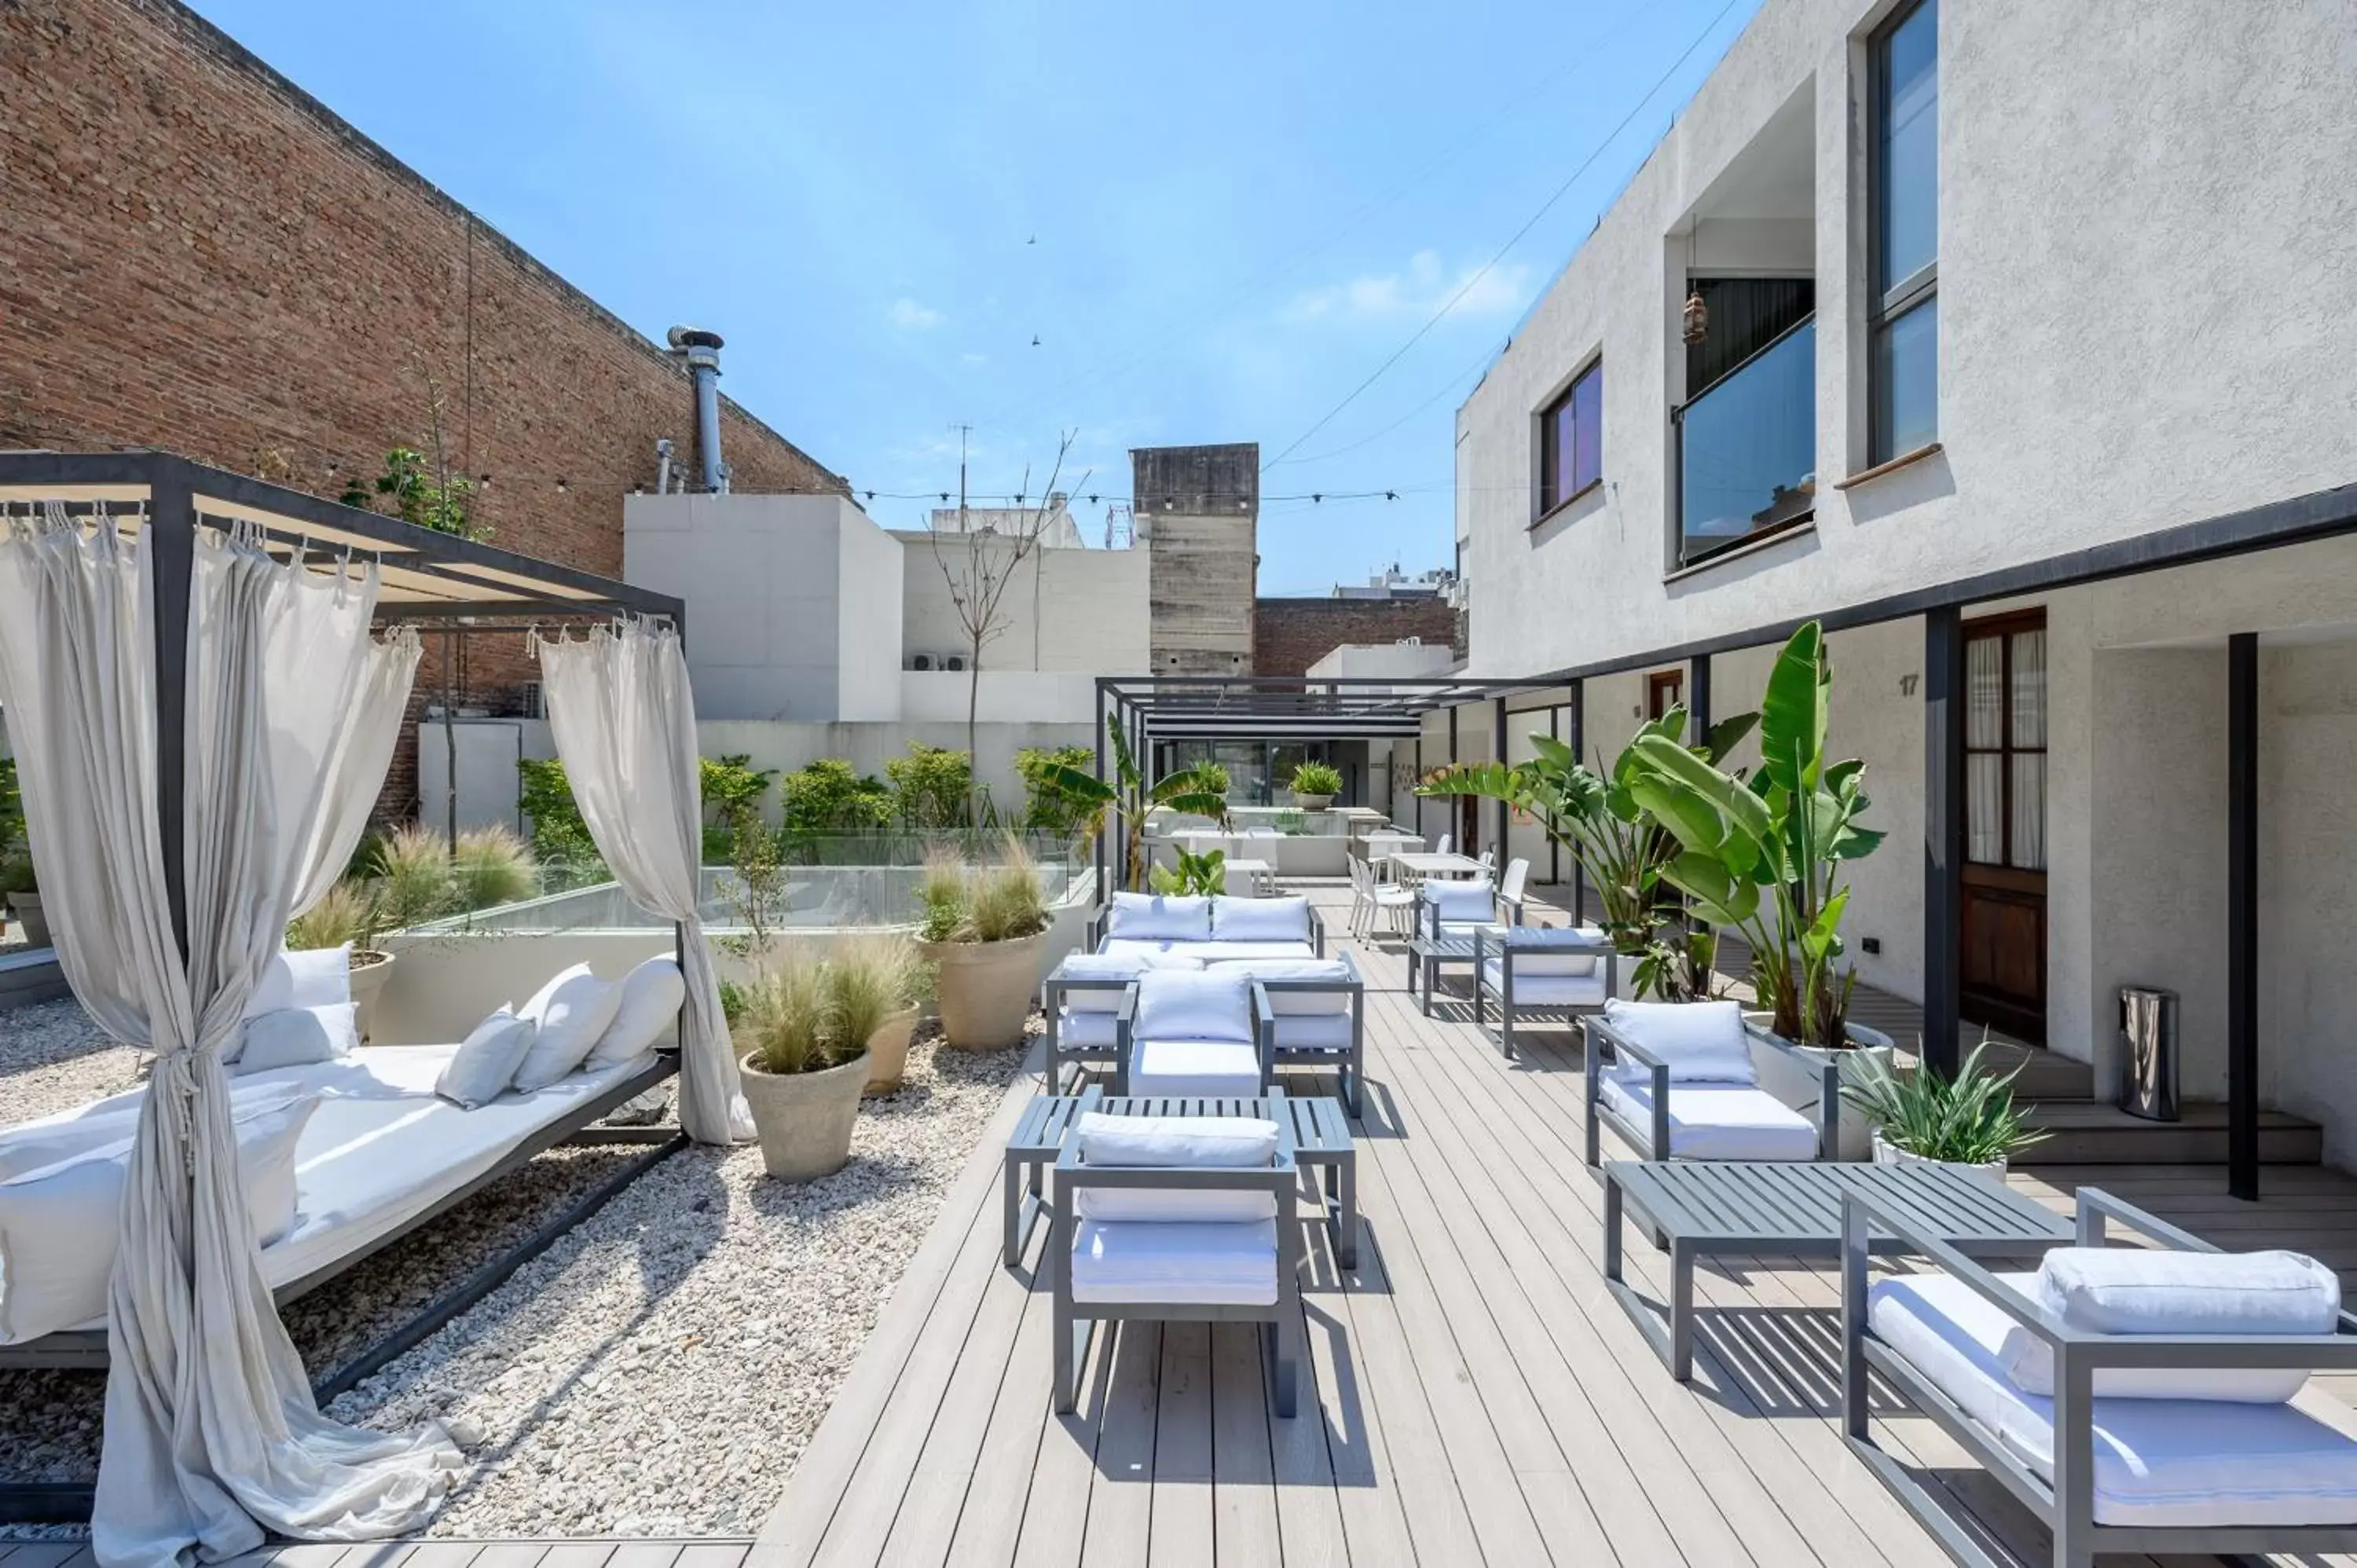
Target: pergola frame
<point>428,578</point>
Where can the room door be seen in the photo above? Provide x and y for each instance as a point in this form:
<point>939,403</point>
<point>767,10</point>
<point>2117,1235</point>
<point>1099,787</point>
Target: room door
<point>2004,928</point>
<point>1664,690</point>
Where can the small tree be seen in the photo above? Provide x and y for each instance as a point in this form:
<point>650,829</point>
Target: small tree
<point>419,485</point>
<point>978,580</point>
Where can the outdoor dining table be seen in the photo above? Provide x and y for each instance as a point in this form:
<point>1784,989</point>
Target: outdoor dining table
<point>1418,866</point>
<point>1262,873</point>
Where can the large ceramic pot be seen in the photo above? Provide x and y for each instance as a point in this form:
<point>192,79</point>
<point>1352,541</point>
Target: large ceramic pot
<point>28,914</point>
<point>805,1119</point>
<point>984,989</point>
<point>1796,1076</point>
<point>1313,802</point>
<point>888,1051</point>
<point>370,969</point>
<point>1890,1153</point>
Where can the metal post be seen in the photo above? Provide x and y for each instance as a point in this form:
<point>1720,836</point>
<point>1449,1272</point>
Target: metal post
<point>1415,784</point>
<point>1454,809</point>
<point>1943,834</point>
<point>1698,699</point>
<point>1497,731</point>
<point>172,531</point>
<point>1554,851</point>
<point>1104,824</point>
<point>2242,915</point>
<point>1576,720</point>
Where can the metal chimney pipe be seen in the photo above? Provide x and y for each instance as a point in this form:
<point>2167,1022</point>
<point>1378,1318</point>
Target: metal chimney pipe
<point>701,349</point>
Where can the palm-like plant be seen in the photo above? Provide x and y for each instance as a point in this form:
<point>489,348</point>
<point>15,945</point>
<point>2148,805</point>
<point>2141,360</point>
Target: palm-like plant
<point>1205,873</point>
<point>1969,1119</point>
<point>1201,791</point>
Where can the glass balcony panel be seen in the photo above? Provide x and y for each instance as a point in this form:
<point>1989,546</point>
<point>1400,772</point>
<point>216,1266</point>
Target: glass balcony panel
<point>1747,449</point>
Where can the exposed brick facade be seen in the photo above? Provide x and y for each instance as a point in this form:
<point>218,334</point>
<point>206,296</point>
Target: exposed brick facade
<point>1290,635</point>
<point>201,257</point>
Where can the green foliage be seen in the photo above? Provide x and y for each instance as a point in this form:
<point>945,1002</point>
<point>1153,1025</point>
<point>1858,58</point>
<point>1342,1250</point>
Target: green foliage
<point>489,868</point>
<point>757,854</point>
<point>727,783</point>
<point>868,979</point>
<point>1678,967</point>
<point>732,1004</point>
<point>345,915</point>
<point>560,839</point>
<point>409,483</point>
<point>996,903</point>
<point>1200,791</point>
<point>1316,779</point>
<point>783,1028</point>
<point>412,877</point>
<point>17,872</point>
<point>941,895</point>
<point>1969,1119</point>
<point>1049,810</point>
<point>1206,874</point>
<point>932,788</point>
<point>827,798</point>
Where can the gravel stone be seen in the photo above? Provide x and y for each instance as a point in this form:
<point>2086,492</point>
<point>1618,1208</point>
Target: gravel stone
<point>54,1058</point>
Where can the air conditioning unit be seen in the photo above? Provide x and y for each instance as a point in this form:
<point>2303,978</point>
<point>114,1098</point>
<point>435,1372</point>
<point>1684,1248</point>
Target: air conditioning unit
<point>953,661</point>
<point>921,662</point>
<point>535,704</point>
<point>1411,642</point>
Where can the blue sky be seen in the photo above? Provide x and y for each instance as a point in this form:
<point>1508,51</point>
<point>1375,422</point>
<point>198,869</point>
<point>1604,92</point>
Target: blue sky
<point>1218,218</point>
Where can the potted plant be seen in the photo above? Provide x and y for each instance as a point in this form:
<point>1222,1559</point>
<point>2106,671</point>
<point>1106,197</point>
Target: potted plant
<point>1201,791</point>
<point>802,1080</point>
<point>983,931</point>
<point>1314,785</point>
<point>873,986</point>
<point>1205,875</point>
<point>1924,1117</point>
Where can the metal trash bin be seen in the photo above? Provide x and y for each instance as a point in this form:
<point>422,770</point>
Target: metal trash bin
<point>2148,1052</point>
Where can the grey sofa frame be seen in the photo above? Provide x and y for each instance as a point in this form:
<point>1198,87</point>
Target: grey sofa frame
<point>1053,992</point>
<point>1353,1069</point>
<point>2067,1506</point>
<point>1075,1321</point>
<point>1427,917</point>
<point>1652,1141</point>
<point>1509,1009</point>
<point>1096,929</point>
<point>1125,1025</point>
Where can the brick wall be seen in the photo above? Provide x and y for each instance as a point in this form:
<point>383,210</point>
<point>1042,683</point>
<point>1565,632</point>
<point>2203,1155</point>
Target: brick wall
<point>1290,635</point>
<point>201,257</point>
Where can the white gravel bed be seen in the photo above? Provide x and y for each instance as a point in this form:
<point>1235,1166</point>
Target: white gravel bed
<point>52,1058</point>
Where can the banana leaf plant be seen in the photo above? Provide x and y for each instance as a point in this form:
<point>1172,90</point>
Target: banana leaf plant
<point>1764,855</point>
<point>1200,790</point>
<point>1205,873</point>
<point>1595,817</point>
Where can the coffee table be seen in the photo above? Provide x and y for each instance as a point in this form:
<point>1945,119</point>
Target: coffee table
<point>1321,1142</point>
<point>1714,1208</point>
<point>1426,953</point>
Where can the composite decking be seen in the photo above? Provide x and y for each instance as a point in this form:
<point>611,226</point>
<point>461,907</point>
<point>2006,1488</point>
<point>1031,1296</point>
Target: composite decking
<point>434,1554</point>
<point>1479,1397</point>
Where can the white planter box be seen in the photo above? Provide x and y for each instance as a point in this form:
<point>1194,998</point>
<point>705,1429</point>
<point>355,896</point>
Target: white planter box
<point>1796,1076</point>
<point>1886,1154</point>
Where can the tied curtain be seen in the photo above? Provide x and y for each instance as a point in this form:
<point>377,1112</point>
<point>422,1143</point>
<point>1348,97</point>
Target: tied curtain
<point>624,720</point>
<point>211,1433</point>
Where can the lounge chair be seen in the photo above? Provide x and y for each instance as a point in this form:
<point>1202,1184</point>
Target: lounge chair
<point>1316,1011</point>
<point>1193,1032</point>
<point>1534,971</point>
<point>2115,1458</point>
<point>1079,999</point>
<point>1682,1086</point>
<point>1176,1219</point>
<point>1457,909</point>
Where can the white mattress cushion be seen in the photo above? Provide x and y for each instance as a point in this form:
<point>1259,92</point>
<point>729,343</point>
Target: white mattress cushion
<point>1214,952</point>
<point>1538,988</point>
<point>1716,1120</point>
<point>1217,1067</point>
<point>59,1224</point>
<point>1198,1141</point>
<point>2157,1462</point>
<point>297,1037</point>
<point>2138,1289</point>
<point>1260,920</point>
<point>1313,1031</point>
<point>646,1009</point>
<point>1140,952</point>
<point>1462,903</point>
<point>1083,1027</point>
<point>1333,974</point>
<point>1160,917</point>
<point>485,1063</point>
<point>1193,1004</point>
<point>1118,1261</point>
<point>568,1014</point>
<point>1699,1042</point>
<point>1563,950</point>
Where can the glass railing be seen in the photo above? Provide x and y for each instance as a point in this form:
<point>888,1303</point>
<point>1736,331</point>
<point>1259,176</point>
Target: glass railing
<point>1747,449</point>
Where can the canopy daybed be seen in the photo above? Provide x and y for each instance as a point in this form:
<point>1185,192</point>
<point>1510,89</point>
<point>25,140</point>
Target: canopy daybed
<point>202,721</point>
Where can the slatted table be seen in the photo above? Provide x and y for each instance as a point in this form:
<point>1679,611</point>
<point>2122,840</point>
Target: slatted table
<point>1713,1208</point>
<point>1321,1144</point>
<point>1426,953</point>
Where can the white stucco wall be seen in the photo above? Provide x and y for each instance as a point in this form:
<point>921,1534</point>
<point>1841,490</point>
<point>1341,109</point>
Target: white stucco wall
<point>1386,661</point>
<point>1002,696</point>
<point>1073,610</point>
<point>869,566</point>
<point>2141,208</point>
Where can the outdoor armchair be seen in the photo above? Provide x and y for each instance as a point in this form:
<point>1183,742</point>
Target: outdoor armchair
<point>1682,1086</point>
<point>1531,970</point>
<point>1080,998</point>
<point>1312,1010</point>
<point>1187,1033</point>
<point>1446,909</point>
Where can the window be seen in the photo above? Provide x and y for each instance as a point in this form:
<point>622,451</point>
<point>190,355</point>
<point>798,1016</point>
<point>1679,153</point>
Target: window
<point>1904,309</point>
<point>2005,743</point>
<point>1571,440</point>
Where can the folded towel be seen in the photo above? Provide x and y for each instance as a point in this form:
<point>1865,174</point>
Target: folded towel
<point>2102,1290</point>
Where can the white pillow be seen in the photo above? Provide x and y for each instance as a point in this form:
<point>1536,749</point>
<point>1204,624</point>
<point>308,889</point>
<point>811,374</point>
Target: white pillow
<point>569,1013</point>
<point>59,1226</point>
<point>318,977</point>
<point>1700,1042</point>
<point>2028,1362</point>
<point>1462,903</point>
<point>651,999</point>
<point>1153,917</point>
<point>2108,1290</point>
<point>1260,920</point>
<point>1175,1005</point>
<point>486,1062</point>
<point>298,1036</point>
<point>1230,1141</point>
<point>1332,971</point>
<point>1126,964</point>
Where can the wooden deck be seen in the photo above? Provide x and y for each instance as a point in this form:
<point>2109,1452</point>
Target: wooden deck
<point>1479,1397</point>
<point>434,1554</point>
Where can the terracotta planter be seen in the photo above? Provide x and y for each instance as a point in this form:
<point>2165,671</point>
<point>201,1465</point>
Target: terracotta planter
<point>888,1051</point>
<point>984,989</point>
<point>1888,1154</point>
<point>370,969</point>
<point>806,1118</point>
<point>29,914</point>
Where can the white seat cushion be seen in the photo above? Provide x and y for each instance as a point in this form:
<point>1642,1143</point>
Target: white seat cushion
<point>1699,1042</point>
<point>1232,952</point>
<point>1124,958</point>
<point>1313,1031</point>
<point>1218,1068</point>
<point>1260,920</point>
<point>1087,1029</point>
<point>1143,1260</point>
<point>2157,1462</point>
<point>1716,1120</point>
<point>1537,988</point>
<point>1152,917</point>
<point>1332,975</point>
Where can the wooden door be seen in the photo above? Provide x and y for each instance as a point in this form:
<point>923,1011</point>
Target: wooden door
<point>1664,690</point>
<point>2004,928</point>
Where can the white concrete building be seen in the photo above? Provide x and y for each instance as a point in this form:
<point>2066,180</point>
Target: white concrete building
<point>2028,368</point>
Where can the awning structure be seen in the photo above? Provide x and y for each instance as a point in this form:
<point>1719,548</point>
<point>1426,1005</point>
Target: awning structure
<point>428,577</point>
<point>1291,707</point>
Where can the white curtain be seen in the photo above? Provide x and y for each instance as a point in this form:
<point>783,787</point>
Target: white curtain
<point>211,1434</point>
<point>624,719</point>
<point>358,760</point>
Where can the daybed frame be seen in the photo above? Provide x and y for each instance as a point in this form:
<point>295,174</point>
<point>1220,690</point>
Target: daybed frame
<point>2067,1506</point>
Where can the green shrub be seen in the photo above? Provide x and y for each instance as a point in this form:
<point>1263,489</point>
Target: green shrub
<point>868,979</point>
<point>345,915</point>
<point>1004,901</point>
<point>1048,810</point>
<point>1316,779</point>
<point>784,1027</point>
<point>412,877</point>
<point>827,798</point>
<point>931,787</point>
<point>491,867</point>
<point>1970,1118</point>
<point>560,839</point>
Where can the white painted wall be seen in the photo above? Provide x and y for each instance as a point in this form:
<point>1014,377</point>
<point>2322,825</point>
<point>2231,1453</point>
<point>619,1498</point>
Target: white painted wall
<point>869,566</point>
<point>1074,610</point>
<point>1003,696</point>
<point>1385,660</point>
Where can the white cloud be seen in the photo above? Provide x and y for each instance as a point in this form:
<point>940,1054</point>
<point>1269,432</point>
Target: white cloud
<point>973,359</point>
<point>911,316</point>
<point>1420,288</point>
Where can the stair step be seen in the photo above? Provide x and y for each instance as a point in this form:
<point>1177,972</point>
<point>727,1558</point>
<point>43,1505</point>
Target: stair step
<point>2044,1076</point>
<point>2082,1132</point>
